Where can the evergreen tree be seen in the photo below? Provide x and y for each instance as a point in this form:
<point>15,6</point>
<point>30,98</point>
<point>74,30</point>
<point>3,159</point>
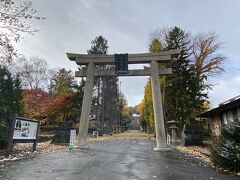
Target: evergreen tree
<point>10,100</point>
<point>226,153</point>
<point>99,46</point>
<point>182,92</point>
<point>105,102</point>
<point>181,99</point>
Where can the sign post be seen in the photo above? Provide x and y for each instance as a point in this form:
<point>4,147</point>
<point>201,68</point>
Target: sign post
<point>72,142</point>
<point>10,137</point>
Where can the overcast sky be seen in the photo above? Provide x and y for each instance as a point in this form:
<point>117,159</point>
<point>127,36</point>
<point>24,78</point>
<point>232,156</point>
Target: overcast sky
<point>71,25</point>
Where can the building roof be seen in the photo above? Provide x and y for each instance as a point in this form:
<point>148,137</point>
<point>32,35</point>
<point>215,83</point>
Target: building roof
<point>224,106</point>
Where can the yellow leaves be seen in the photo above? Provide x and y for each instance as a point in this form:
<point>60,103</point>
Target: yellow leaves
<point>140,108</point>
<point>155,46</point>
<point>148,105</point>
<point>126,111</point>
<point>206,105</point>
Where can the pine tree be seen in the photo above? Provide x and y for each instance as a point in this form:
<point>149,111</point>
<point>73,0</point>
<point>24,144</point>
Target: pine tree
<point>182,92</point>
<point>10,100</point>
<point>99,46</point>
<point>106,100</point>
<point>181,87</point>
<point>226,153</point>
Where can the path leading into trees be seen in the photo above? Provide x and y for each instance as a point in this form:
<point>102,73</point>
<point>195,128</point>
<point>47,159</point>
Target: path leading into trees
<point>115,158</point>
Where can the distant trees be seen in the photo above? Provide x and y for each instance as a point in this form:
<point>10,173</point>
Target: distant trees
<point>106,96</point>
<point>66,97</point>
<point>124,112</point>
<point>62,82</point>
<point>52,99</point>
<point>34,72</point>
<point>185,90</point>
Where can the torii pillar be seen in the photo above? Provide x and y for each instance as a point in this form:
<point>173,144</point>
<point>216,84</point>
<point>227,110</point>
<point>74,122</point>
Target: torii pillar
<point>157,108</point>
<point>86,106</point>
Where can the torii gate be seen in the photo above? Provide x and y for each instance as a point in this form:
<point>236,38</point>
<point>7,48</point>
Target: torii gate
<point>154,71</point>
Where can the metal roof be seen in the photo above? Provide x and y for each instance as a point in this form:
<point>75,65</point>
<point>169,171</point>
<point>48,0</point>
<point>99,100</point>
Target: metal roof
<point>224,106</point>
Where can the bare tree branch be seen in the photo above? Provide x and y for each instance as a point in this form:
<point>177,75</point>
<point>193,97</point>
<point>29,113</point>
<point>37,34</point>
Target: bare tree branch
<point>207,60</point>
<point>15,20</point>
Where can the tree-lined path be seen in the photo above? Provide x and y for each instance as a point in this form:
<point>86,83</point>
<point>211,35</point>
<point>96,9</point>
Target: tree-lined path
<point>113,158</point>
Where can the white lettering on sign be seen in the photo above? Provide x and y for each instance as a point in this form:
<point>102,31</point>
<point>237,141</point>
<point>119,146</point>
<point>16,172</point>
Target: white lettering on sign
<point>24,129</point>
<point>72,137</point>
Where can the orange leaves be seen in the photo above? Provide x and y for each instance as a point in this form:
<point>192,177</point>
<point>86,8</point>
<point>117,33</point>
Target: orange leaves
<point>61,106</point>
<point>206,55</point>
<point>39,105</point>
<point>63,101</point>
<point>36,103</point>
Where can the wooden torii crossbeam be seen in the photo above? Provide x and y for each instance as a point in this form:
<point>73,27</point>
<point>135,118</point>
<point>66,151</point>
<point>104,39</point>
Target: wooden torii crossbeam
<point>88,70</point>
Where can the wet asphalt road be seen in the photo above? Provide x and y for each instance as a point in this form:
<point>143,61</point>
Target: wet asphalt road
<point>116,159</point>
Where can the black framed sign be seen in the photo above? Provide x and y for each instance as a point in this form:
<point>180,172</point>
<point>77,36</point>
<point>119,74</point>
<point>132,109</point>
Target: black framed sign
<point>23,130</point>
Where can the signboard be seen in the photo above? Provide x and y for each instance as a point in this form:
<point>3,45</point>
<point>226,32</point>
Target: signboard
<point>22,130</point>
<point>72,137</point>
<point>25,129</point>
<point>121,63</point>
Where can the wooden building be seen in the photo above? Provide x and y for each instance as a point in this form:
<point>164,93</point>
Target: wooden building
<point>226,112</point>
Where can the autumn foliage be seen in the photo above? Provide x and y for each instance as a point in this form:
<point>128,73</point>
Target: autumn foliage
<point>39,105</point>
<point>61,107</point>
<point>36,103</point>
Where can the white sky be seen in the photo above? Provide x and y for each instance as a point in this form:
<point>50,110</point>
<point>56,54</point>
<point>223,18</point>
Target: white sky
<point>71,25</point>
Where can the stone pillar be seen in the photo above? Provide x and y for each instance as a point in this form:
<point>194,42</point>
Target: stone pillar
<point>174,136</point>
<point>158,109</point>
<point>86,106</point>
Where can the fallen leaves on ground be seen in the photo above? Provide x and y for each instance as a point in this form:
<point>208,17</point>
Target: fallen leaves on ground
<point>24,150</point>
<point>202,153</point>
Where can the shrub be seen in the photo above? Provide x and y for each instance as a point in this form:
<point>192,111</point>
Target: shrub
<point>226,152</point>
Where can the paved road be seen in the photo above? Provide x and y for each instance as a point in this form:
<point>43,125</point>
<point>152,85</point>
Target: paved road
<point>116,159</point>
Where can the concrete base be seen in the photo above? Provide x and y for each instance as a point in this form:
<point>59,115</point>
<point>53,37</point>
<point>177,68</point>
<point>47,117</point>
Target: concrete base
<point>157,149</point>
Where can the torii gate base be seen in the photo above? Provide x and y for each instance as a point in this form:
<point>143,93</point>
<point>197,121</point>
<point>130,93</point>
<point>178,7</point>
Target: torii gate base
<point>153,59</point>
